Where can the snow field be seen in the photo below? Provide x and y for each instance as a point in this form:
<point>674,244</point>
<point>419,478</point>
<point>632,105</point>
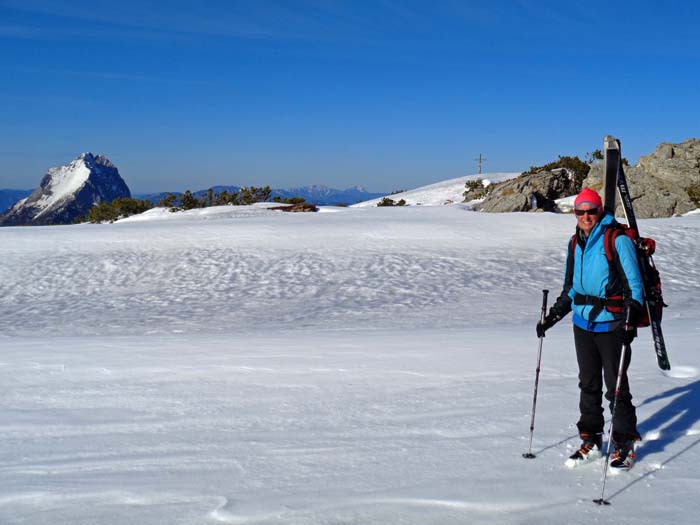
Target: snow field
<point>363,366</point>
<point>387,268</point>
<point>376,427</point>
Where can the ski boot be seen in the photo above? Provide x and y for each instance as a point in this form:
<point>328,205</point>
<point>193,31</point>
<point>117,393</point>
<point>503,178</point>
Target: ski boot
<point>587,452</point>
<point>623,456</point>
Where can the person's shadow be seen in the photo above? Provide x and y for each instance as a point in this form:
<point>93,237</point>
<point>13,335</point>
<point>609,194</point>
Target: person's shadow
<point>672,421</point>
<point>669,424</point>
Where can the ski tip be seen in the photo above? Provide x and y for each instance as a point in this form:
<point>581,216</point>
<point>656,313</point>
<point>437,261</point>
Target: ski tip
<point>601,501</point>
<point>611,142</point>
<point>529,455</point>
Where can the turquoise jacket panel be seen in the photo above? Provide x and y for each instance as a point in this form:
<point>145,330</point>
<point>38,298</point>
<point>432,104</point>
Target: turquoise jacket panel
<point>591,273</point>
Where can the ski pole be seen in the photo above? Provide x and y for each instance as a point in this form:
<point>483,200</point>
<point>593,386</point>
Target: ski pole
<point>529,454</point>
<point>623,355</point>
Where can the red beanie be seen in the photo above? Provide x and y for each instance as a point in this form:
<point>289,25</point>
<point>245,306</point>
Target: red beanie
<point>588,196</point>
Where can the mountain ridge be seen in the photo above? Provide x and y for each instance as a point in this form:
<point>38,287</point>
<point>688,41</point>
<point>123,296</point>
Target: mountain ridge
<point>318,194</point>
<point>315,193</point>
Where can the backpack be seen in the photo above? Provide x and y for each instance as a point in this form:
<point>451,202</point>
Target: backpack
<point>645,248</point>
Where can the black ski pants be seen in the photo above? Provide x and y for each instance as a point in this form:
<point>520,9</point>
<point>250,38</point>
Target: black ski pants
<point>598,355</point>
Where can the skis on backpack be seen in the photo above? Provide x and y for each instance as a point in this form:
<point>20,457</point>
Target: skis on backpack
<point>613,159</point>
<point>615,179</point>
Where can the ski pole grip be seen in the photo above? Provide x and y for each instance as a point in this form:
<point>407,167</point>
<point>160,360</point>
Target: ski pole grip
<point>544,304</point>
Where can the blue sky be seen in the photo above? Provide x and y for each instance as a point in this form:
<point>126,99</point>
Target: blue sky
<point>388,94</point>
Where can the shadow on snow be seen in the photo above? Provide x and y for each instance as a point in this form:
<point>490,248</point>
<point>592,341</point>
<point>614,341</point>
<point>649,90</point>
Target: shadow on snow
<point>672,422</point>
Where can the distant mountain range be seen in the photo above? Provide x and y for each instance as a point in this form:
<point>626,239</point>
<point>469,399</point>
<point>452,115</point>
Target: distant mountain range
<point>316,194</point>
<point>68,192</point>
<point>325,196</point>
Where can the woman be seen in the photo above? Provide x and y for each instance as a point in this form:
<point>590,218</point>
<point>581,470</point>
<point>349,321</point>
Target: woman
<point>602,325</point>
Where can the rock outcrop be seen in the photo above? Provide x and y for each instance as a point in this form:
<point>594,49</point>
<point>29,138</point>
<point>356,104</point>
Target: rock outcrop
<point>68,192</point>
<point>529,192</point>
<point>662,184</point>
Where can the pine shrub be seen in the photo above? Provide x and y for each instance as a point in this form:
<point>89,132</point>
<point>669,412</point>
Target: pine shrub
<point>117,209</point>
<point>386,201</point>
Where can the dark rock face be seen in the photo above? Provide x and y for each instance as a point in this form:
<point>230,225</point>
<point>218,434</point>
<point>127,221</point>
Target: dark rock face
<point>529,192</point>
<point>663,184</point>
<point>68,192</point>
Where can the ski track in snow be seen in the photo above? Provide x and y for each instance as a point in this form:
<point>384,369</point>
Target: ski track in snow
<point>363,366</point>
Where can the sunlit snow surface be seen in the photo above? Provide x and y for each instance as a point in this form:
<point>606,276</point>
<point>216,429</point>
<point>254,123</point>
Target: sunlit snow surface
<point>361,365</point>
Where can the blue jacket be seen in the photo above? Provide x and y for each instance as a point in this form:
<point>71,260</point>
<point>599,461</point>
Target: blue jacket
<point>590,275</point>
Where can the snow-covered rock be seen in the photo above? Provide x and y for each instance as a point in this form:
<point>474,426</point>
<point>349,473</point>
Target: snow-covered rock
<point>68,192</point>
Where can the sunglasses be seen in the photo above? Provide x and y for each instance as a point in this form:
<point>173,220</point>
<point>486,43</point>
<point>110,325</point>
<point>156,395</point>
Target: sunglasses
<point>581,213</point>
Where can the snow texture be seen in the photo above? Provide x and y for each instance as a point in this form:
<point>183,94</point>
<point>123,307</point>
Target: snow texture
<point>362,365</point>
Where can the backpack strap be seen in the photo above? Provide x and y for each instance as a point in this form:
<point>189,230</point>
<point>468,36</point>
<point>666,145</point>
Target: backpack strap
<point>611,235</point>
<point>572,245</point>
<point>612,304</point>
<point>615,303</point>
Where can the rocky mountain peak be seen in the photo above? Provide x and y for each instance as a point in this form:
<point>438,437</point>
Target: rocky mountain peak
<point>69,191</point>
<point>94,160</point>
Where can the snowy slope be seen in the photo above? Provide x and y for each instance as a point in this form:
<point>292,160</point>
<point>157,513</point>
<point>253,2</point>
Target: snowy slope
<point>63,183</point>
<point>444,192</point>
<point>371,365</point>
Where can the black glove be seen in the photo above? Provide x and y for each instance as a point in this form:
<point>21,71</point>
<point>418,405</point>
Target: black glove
<point>627,330</point>
<point>626,333</point>
<point>549,321</point>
